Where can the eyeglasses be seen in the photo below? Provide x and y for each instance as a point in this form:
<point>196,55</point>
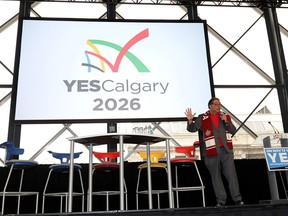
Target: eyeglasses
<point>216,104</point>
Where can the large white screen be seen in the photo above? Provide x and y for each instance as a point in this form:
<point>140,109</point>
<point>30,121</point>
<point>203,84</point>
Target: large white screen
<point>72,70</point>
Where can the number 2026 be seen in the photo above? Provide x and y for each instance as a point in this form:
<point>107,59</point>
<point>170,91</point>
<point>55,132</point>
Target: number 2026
<point>121,104</point>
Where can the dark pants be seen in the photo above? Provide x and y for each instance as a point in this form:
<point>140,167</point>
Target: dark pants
<point>223,163</point>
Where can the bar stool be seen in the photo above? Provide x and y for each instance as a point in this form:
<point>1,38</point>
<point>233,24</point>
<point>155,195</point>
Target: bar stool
<point>187,160</point>
<point>59,170</point>
<point>16,165</point>
<point>155,166</point>
<point>107,167</point>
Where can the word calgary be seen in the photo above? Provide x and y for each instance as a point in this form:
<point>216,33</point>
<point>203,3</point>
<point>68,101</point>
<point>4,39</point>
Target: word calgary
<point>112,86</point>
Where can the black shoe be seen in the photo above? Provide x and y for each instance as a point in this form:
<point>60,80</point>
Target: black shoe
<point>220,205</point>
<point>239,203</point>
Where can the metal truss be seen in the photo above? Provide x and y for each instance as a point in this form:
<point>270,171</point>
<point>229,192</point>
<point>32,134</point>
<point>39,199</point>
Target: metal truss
<point>224,3</point>
<point>256,4</point>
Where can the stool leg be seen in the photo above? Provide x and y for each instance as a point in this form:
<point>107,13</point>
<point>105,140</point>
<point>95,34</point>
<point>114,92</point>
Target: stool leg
<point>37,198</point>
<point>20,189</point>
<point>5,187</point>
<point>137,206</point>
<point>137,189</point>
<point>201,182</point>
<point>44,191</point>
<point>87,199</point>
<point>43,203</point>
<point>107,201</point>
<point>3,203</point>
<point>177,185</point>
<point>126,196</point>
<point>66,203</point>
<point>82,189</point>
<point>61,203</point>
<point>158,199</point>
<point>126,201</point>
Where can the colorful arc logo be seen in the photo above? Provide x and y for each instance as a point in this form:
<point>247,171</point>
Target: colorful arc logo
<point>123,51</point>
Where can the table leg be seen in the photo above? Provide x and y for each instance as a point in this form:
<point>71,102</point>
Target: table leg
<point>149,176</point>
<point>71,174</point>
<point>89,201</point>
<point>121,173</point>
<point>171,201</point>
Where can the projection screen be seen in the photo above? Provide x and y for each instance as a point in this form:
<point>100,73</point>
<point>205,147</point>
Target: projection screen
<point>103,71</point>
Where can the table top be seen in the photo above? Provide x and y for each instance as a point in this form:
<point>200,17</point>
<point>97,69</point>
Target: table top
<point>113,138</point>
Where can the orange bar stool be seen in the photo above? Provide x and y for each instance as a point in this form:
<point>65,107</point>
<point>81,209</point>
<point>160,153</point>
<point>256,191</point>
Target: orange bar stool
<point>155,166</point>
<point>108,166</point>
<point>60,172</point>
<point>16,165</point>
<point>187,160</point>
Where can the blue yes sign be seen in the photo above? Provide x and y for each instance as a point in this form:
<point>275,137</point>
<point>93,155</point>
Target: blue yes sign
<point>276,158</point>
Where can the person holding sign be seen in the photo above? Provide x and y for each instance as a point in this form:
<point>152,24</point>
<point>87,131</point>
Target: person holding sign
<point>215,128</point>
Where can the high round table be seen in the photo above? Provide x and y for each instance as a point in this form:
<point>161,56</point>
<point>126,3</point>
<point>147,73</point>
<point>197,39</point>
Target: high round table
<point>121,139</point>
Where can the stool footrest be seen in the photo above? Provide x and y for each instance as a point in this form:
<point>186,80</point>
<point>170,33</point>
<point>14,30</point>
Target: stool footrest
<point>16,193</point>
<point>153,191</point>
<point>60,194</point>
<point>189,188</point>
<point>106,193</point>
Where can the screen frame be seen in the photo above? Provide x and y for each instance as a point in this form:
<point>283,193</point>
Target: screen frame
<point>106,120</point>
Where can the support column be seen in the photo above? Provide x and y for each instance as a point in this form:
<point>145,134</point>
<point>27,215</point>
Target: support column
<point>14,131</point>
<point>111,9</point>
<point>278,59</point>
<point>111,127</point>
<point>192,12</point>
<point>284,144</point>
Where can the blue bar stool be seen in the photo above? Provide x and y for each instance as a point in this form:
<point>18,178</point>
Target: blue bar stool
<point>59,170</point>
<point>16,165</point>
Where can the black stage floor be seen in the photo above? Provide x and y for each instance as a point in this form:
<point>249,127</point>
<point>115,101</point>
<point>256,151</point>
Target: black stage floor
<point>246,210</point>
<point>252,175</point>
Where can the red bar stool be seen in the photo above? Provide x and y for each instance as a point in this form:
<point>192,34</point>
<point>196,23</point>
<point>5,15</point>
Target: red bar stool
<point>187,160</point>
<point>107,166</point>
